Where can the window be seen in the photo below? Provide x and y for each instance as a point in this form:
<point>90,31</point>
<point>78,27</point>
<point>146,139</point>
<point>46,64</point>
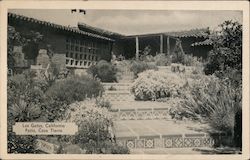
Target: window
<point>89,57</point>
<point>85,63</point>
<point>85,56</point>
<point>72,48</point>
<point>67,54</point>
<point>76,62</point>
<point>80,56</point>
<point>76,48</point>
<point>89,63</point>
<point>67,61</point>
<point>71,62</point>
<point>80,63</point>
<point>67,46</point>
<point>77,41</point>
<point>71,55</point>
<point>80,49</point>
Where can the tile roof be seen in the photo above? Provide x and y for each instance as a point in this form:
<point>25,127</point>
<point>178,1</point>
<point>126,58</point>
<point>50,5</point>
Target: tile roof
<point>56,26</point>
<point>203,32</point>
<point>88,28</point>
<point>207,42</point>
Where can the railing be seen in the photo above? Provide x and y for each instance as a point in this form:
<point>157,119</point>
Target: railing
<point>70,62</point>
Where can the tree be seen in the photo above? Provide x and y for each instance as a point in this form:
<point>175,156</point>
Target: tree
<point>227,48</point>
<point>24,39</point>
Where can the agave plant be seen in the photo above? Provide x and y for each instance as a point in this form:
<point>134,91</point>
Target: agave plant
<point>22,111</point>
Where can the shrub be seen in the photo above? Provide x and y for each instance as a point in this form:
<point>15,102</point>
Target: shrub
<point>146,58</point>
<point>190,60</point>
<point>20,144</point>
<point>116,149</point>
<point>103,103</point>
<point>105,71</point>
<point>139,66</point>
<point>25,102</point>
<point>151,85</point>
<point>178,57</point>
<point>162,60</point>
<point>73,89</point>
<point>212,100</point>
<point>67,91</point>
<point>94,122</point>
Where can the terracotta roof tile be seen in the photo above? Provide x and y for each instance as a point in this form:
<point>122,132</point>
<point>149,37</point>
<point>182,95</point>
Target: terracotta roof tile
<point>207,42</point>
<point>16,16</point>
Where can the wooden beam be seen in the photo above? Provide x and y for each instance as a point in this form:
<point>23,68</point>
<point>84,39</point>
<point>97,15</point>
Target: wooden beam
<point>161,43</point>
<point>137,47</point>
<point>168,45</point>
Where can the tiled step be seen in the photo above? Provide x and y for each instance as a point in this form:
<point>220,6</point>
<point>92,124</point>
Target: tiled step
<point>116,86</point>
<point>140,114</point>
<point>142,134</point>
<point>126,80</point>
<point>124,96</point>
<point>170,141</point>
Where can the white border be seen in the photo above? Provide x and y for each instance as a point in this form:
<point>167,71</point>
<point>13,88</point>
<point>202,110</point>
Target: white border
<point>137,5</point>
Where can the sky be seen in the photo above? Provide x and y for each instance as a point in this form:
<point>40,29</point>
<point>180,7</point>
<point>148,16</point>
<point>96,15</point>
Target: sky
<point>130,22</point>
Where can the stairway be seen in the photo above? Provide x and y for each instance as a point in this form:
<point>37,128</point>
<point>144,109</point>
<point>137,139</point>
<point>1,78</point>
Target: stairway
<point>146,125</point>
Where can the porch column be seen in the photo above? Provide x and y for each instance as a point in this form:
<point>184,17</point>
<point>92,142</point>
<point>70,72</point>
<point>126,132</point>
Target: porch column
<point>168,45</point>
<point>161,43</point>
<point>137,47</point>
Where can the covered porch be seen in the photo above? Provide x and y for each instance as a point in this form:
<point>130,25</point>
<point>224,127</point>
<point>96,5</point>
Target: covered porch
<point>151,44</point>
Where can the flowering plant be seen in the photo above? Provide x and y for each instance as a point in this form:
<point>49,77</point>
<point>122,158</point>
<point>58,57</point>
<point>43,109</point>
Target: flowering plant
<point>94,125</point>
<point>151,85</point>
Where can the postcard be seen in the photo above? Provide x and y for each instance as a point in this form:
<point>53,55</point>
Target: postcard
<point>124,80</point>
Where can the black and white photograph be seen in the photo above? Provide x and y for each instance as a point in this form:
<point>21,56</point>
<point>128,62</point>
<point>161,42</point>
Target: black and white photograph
<point>124,81</point>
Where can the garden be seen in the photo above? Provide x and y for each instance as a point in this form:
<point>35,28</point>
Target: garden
<point>206,91</point>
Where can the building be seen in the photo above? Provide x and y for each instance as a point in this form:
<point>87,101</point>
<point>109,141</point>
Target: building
<point>72,47</point>
<point>77,48</point>
<point>193,41</point>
